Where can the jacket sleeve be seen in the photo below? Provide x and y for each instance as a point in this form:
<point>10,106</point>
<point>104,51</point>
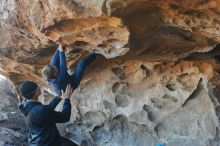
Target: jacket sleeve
<point>54,102</point>
<point>51,116</point>
<point>56,59</point>
<point>63,68</point>
<point>56,88</point>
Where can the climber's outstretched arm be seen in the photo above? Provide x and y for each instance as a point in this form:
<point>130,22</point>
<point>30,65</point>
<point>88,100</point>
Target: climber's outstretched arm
<point>56,58</point>
<point>78,74</point>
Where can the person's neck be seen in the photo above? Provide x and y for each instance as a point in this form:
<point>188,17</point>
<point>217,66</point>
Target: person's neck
<point>33,100</point>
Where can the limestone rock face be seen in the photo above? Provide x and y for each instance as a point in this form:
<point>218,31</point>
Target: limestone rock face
<point>157,30</point>
<point>139,103</point>
<point>156,81</point>
<point>111,27</point>
<point>13,130</point>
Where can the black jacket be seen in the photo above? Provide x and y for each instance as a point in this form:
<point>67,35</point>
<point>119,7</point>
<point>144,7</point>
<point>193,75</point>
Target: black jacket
<point>42,119</point>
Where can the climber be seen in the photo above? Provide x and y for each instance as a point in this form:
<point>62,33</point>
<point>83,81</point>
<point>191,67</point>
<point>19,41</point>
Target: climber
<point>41,119</point>
<point>56,72</point>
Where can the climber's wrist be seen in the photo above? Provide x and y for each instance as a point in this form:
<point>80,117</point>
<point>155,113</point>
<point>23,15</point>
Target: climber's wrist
<point>60,48</point>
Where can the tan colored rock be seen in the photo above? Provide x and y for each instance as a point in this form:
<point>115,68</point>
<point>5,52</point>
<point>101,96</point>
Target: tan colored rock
<point>150,93</point>
<point>102,35</point>
<point>157,28</point>
<point>168,93</point>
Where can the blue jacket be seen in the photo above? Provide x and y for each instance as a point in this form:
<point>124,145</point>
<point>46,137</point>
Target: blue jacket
<point>42,119</point>
<point>62,77</point>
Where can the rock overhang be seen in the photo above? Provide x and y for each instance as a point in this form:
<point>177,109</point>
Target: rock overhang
<point>155,53</point>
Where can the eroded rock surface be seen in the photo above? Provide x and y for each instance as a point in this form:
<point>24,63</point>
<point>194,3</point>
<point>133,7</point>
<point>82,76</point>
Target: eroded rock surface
<point>13,131</point>
<point>157,30</point>
<point>139,103</point>
<point>170,27</point>
<point>156,82</point>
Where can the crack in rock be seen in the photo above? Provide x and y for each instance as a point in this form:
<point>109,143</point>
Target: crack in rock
<point>194,94</point>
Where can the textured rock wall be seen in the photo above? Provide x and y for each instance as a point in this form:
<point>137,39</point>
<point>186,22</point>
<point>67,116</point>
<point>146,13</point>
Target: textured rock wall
<point>157,30</point>
<point>13,131</point>
<point>138,103</point>
<point>158,78</point>
<point>144,19</point>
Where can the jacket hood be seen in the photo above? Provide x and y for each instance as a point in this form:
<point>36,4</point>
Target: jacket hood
<point>26,106</point>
